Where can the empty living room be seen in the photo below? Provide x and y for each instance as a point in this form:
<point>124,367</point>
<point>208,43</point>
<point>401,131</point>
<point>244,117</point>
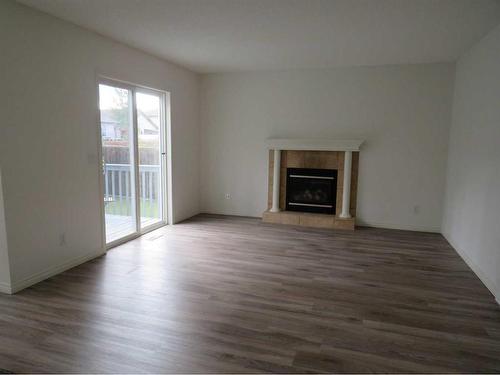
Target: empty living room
<point>249,186</point>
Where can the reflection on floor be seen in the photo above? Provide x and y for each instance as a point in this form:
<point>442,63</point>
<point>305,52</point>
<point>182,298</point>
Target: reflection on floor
<point>118,226</point>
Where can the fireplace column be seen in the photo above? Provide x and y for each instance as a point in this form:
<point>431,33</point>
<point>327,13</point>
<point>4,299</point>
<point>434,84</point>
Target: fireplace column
<point>276,181</point>
<point>346,191</point>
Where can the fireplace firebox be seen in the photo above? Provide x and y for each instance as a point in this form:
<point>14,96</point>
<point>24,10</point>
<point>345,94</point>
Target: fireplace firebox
<point>311,190</point>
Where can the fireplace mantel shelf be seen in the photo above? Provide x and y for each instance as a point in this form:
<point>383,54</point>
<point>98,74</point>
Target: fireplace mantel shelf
<point>314,144</point>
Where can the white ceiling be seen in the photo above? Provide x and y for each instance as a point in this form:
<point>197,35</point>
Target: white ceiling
<point>234,35</point>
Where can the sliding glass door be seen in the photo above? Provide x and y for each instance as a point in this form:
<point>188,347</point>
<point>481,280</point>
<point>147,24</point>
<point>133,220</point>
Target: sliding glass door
<point>133,159</point>
<point>150,135</point>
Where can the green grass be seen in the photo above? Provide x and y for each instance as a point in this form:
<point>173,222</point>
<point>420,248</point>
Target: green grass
<point>124,208</point>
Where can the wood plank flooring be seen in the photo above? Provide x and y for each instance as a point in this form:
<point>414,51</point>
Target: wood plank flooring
<point>224,294</point>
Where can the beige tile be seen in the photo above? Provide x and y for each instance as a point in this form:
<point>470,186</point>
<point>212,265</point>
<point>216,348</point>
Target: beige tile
<point>348,224</point>
<point>341,161</point>
<point>338,208</point>
<point>290,218</point>
<point>270,179</point>
<point>295,159</point>
<point>284,161</point>
<point>320,159</point>
<point>308,220</point>
<point>271,217</point>
<point>316,221</point>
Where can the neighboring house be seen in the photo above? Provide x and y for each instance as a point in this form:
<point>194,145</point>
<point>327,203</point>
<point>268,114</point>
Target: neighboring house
<point>148,122</point>
<point>113,130</point>
<point>110,126</point>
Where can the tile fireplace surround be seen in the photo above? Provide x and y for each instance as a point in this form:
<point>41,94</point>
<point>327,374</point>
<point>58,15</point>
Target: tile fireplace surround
<point>342,155</point>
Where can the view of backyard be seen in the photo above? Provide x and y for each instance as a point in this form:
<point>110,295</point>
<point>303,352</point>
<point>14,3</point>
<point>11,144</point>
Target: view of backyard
<point>149,209</point>
<point>118,155</point>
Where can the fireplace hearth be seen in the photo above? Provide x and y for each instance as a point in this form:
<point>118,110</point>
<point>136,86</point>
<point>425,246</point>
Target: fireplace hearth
<point>311,190</point>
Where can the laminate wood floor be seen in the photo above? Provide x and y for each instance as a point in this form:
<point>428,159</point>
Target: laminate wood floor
<point>225,294</point>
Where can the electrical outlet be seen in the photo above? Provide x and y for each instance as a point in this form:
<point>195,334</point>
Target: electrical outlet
<point>62,239</point>
<point>228,196</point>
<point>416,209</point>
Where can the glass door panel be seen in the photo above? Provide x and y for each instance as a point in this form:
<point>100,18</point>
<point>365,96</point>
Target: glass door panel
<point>150,145</point>
<point>117,136</point>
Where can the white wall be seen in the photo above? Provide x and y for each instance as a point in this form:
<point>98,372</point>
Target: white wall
<point>403,112</point>
<point>4,255</point>
<point>471,220</point>
<point>48,136</point>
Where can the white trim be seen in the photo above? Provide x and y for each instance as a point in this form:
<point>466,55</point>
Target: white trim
<point>54,270</point>
<point>314,144</point>
<point>399,226</point>
<point>5,288</point>
<point>100,171</point>
<point>488,283</point>
<point>275,207</point>
<point>346,190</point>
<point>163,156</point>
<point>169,217</point>
<point>135,161</point>
<point>127,85</point>
<point>163,97</point>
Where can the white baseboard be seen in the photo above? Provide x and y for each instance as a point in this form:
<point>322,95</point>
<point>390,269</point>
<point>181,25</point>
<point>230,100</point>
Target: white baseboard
<point>52,271</point>
<point>229,215</point>
<point>490,284</point>
<point>414,228</point>
<point>5,288</point>
<point>184,217</point>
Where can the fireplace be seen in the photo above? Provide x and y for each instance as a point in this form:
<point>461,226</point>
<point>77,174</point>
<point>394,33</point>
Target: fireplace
<point>311,190</point>
<point>327,197</point>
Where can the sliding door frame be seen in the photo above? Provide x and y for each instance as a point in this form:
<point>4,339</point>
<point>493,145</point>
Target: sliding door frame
<point>163,154</point>
<point>165,159</point>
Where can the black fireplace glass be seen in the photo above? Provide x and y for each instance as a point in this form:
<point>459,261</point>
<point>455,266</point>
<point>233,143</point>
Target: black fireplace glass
<point>311,190</point>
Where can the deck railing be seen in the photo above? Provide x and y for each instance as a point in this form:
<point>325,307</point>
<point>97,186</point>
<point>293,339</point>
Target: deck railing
<point>117,182</point>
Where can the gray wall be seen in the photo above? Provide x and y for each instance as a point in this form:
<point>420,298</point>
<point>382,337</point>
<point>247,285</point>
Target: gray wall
<point>471,221</point>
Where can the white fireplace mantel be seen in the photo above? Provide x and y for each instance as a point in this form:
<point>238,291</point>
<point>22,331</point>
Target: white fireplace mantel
<point>345,145</point>
<point>314,144</point>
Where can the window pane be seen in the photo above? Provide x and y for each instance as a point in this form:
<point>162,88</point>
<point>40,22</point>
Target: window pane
<point>117,152</point>
<point>150,182</point>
